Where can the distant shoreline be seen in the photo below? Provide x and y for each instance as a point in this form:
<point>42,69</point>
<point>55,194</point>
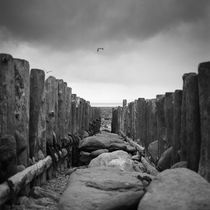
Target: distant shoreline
<point>105,104</point>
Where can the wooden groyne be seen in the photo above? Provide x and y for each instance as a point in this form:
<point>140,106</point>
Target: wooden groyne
<point>41,123</point>
<point>179,119</point>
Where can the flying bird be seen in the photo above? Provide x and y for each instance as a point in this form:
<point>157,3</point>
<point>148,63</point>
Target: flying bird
<point>100,48</point>
<point>48,72</point>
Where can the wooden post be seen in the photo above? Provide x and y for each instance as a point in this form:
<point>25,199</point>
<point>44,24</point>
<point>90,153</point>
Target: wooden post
<point>73,113</point>
<point>161,126</point>
<point>204,100</point>
<point>191,131</point>
<point>68,109</point>
<point>77,114</point>
<point>61,110</point>
<point>151,129</point>
<point>141,121</point>
<point>7,95</point>
<point>51,89</point>
<point>168,110</point>
<point>114,120</point>
<point>22,87</point>
<point>176,143</point>
<point>8,161</point>
<point>37,125</point>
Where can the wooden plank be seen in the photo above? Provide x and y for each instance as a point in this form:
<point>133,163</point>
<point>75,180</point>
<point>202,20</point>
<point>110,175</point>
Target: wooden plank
<point>21,179</point>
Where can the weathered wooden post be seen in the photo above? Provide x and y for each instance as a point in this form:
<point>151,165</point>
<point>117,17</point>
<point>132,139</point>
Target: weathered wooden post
<point>73,113</point>
<point>114,121</point>
<point>141,121</point>
<point>62,86</point>
<point>176,143</point>
<point>22,87</point>
<point>37,125</point>
<point>68,109</point>
<point>161,126</point>
<point>77,114</point>
<point>123,115</point>
<point>7,95</point>
<point>51,90</point>
<point>132,119</point>
<point>190,130</point>
<point>151,125</point>
<point>8,161</point>
<point>204,101</point>
<point>168,110</point>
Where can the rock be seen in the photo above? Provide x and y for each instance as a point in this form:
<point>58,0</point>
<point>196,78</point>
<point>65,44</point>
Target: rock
<point>153,150</point>
<point>165,159</point>
<point>130,149</point>
<point>96,153</point>
<point>117,146</point>
<point>102,188</point>
<point>21,147</point>
<point>40,155</point>
<point>20,168</point>
<point>150,169</point>
<point>85,157</point>
<point>121,159</point>
<point>122,164</point>
<point>85,134</point>
<point>64,152</point>
<point>181,164</point>
<point>100,141</point>
<point>38,192</point>
<point>178,188</point>
<point>136,157</point>
<point>8,160</point>
<point>92,143</point>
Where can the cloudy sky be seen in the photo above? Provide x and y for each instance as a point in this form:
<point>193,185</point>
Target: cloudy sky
<point>148,44</point>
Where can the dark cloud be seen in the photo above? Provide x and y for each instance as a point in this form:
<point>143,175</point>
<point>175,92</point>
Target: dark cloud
<point>70,24</point>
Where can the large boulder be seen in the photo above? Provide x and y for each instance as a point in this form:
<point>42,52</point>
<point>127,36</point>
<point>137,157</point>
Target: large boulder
<point>8,158</point>
<point>84,157</point>
<point>181,164</point>
<point>174,189</point>
<point>98,152</point>
<point>103,141</point>
<point>165,160</point>
<point>117,146</point>
<point>102,188</point>
<point>92,143</point>
<point>153,150</point>
<point>119,158</point>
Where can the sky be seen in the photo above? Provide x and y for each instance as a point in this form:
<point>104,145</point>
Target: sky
<point>148,44</point>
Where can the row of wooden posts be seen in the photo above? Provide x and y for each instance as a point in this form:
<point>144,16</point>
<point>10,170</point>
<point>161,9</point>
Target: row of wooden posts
<point>35,112</point>
<point>180,119</point>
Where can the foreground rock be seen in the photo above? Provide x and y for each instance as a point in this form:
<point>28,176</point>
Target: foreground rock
<point>105,140</point>
<point>175,189</point>
<point>93,146</point>
<point>153,150</point>
<point>119,159</point>
<point>102,188</point>
<point>165,160</point>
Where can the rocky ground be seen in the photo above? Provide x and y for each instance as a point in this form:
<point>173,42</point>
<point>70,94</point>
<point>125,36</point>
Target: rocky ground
<point>115,177</point>
<point>45,197</point>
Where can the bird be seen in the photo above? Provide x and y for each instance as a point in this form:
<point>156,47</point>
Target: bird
<point>48,72</point>
<point>100,48</point>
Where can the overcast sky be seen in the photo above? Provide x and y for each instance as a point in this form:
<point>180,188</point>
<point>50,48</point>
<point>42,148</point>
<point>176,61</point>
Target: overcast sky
<point>148,44</point>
